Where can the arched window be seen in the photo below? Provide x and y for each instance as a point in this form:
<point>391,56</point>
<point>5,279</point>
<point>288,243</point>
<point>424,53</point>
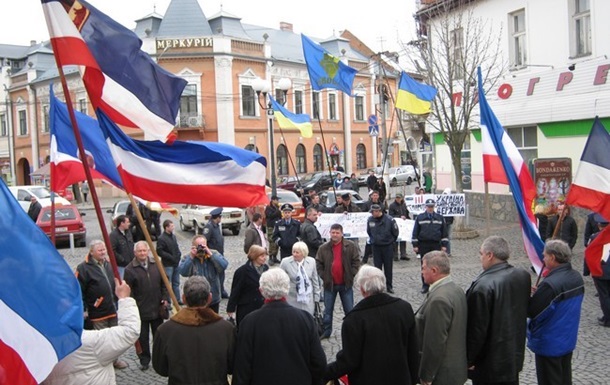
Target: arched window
<point>301,160</point>
<point>282,160</point>
<point>251,147</point>
<point>318,162</point>
<point>360,156</point>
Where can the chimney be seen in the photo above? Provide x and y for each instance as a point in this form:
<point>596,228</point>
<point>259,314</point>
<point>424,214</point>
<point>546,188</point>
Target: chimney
<point>284,26</point>
<point>32,43</point>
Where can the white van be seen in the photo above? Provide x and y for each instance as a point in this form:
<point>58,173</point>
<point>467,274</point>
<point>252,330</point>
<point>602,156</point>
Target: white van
<point>23,194</point>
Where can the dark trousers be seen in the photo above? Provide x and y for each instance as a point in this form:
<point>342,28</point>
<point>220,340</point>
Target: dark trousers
<point>368,251</point>
<point>554,370</point>
<point>215,307</point>
<point>221,276</point>
<point>475,382</point>
<point>403,249</point>
<point>425,248</point>
<point>146,328</point>
<point>383,256</point>
<point>603,289</point>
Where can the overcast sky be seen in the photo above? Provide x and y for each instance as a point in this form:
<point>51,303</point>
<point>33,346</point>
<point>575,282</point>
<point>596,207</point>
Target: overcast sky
<point>390,20</point>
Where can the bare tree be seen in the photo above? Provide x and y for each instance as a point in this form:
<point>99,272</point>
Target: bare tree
<point>452,43</point>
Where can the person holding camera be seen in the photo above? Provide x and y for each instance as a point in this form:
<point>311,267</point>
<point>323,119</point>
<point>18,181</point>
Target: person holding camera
<point>207,263</point>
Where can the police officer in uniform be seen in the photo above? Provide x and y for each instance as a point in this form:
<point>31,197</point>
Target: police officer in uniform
<point>383,232</point>
<point>429,233</point>
<point>286,231</point>
<point>216,241</point>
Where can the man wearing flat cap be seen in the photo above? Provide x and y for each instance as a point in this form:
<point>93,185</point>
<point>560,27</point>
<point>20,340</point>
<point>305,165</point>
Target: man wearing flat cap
<point>286,231</point>
<point>429,234</point>
<point>383,233</point>
<point>216,241</point>
<point>347,206</point>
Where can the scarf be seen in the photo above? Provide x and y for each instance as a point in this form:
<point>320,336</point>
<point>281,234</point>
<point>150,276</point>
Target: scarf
<point>303,284</point>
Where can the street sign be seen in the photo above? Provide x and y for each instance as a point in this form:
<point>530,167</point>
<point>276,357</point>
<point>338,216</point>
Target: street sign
<point>374,130</point>
<point>372,120</point>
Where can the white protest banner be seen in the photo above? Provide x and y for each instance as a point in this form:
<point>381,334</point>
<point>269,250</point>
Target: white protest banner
<point>354,225</point>
<point>448,205</point>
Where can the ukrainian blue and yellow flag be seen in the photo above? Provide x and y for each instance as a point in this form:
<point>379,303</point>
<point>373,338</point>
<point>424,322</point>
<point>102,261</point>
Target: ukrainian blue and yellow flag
<point>289,120</point>
<point>326,70</point>
<point>413,97</point>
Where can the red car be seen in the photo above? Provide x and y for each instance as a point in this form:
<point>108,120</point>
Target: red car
<point>68,221</point>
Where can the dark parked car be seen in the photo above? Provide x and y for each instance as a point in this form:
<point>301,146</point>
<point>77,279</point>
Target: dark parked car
<point>318,181</point>
<point>68,221</point>
<point>327,198</point>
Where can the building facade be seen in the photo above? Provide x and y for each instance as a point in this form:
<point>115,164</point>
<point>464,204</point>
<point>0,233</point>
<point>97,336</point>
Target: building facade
<point>221,58</point>
<point>555,79</point>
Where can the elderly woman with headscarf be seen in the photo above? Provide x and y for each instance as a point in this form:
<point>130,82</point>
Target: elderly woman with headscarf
<point>304,283</point>
<point>245,295</point>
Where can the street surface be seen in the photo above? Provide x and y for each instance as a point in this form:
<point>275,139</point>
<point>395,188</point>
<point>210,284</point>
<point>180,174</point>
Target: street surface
<point>590,356</point>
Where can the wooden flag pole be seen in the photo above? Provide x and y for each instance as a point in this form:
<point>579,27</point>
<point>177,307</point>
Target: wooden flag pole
<point>83,159</point>
<point>136,209</point>
<point>559,222</point>
<point>487,211</point>
<point>330,171</point>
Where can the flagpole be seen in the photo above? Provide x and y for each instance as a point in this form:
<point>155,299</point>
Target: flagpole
<point>290,157</point>
<point>83,158</point>
<point>487,211</point>
<point>153,249</point>
<point>330,172</point>
<point>559,222</point>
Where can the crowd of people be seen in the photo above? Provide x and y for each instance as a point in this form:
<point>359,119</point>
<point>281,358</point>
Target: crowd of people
<point>271,333</point>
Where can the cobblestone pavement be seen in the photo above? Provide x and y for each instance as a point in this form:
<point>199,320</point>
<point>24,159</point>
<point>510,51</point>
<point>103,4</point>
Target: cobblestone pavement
<point>589,357</point>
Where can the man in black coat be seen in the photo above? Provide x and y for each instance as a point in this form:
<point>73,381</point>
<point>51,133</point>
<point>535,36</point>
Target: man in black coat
<point>371,180</point>
<point>568,230</point>
<point>169,252</point>
<point>497,317</point>
<point>272,215</point>
<point>34,209</point>
<point>147,288</point>
<point>121,241</point>
<point>309,232</point>
<point>379,340</point>
<point>289,333</point>
<point>383,232</point>
<point>398,209</point>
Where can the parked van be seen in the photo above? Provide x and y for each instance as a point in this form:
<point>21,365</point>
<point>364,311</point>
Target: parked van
<point>23,194</point>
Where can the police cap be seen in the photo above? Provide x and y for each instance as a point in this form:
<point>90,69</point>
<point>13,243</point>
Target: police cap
<point>287,207</point>
<point>430,202</point>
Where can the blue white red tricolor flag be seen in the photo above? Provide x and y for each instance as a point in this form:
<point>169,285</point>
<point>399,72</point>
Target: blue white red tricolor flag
<point>203,173</point>
<point>502,163</point>
<point>120,79</point>
<point>591,189</point>
<point>41,309</point>
<point>66,165</point>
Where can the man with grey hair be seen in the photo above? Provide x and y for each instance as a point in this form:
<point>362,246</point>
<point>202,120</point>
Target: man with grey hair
<point>441,325</point>
<point>554,313</point>
<point>290,333</point>
<point>378,333</point>
<point>497,317</point>
<point>196,345</point>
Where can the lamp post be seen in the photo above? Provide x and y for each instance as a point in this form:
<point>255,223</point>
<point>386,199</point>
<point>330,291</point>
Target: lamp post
<point>261,86</point>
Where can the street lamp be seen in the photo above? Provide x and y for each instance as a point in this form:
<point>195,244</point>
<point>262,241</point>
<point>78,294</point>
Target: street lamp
<point>261,86</point>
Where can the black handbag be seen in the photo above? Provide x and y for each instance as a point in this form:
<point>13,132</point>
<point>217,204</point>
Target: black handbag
<point>318,314</point>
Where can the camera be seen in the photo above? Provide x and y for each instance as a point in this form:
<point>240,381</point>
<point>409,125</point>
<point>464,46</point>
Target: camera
<point>202,251</point>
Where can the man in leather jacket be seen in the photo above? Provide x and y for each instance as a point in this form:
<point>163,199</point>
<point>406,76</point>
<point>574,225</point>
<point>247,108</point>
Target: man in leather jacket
<point>497,317</point>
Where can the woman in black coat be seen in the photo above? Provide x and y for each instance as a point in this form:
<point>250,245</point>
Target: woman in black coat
<point>245,295</point>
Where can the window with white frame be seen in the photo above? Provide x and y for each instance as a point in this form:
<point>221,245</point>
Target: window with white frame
<point>457,47</point>
<point>360,156</point>
<point>518,47</point>
<point>526,140</point>
<point>318,164</point>
<point>282,160</point>
<point>3,126</point>
<point>188,106</point>
<point>248,101</point>
<point>298,102</point>
<point>315,108</point>
<point>23,122</point>
<point>301,159</point>
<point>359,107</point>
<point>332,106</point>
<point>581,27</point>
<point>45,118</point>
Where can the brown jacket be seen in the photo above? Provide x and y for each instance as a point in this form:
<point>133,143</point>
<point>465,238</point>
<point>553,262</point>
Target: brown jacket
<point>351,263</point>
<point>196,346</point>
